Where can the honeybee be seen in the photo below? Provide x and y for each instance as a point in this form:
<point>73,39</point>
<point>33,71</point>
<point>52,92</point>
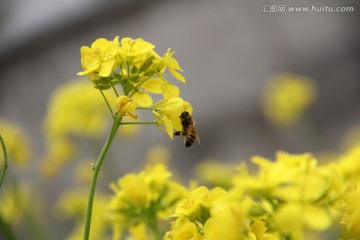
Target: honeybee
<point>188,132</point>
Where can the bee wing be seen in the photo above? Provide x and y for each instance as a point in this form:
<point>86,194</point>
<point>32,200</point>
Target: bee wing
<point>197,135</point>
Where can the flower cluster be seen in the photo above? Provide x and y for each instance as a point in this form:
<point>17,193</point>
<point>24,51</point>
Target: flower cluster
<point>141,200</point>
<point>290,198</point>
<point>134,65</point>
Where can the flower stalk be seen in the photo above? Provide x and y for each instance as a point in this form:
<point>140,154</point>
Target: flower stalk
<point>136,123</point>
<point>96,170</point>
<point>5,165</point>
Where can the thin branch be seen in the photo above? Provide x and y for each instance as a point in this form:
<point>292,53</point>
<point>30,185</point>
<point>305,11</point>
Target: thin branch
<point>128,123</point>
<point>5,165</point>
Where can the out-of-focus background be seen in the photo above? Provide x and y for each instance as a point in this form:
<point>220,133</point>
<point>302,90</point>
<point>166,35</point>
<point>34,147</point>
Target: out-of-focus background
<point>228,50</point>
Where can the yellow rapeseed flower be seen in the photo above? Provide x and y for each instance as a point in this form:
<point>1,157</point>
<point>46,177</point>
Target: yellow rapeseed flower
<point>184,230</point>
<point>99,59</point>
<point>17,143</point>
<point>286,97</point>
<point>76,108</point>
<point>168,110</point>
<point>142,198</point>
<point>132,51</point>
<point>229,214</point>
<point>59,152</point>
<point>14,201</point>
<point>160,63</point>
<point>125,106</point>
<point>71,205</point>
<point>351,217</point>
<point>215,173</point>
<point>348,163</point>
<point>197,205</point>
<point>158,154</point>
<point>294,216</point>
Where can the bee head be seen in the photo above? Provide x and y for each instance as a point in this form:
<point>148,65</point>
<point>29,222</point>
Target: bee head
<point>184,114</point>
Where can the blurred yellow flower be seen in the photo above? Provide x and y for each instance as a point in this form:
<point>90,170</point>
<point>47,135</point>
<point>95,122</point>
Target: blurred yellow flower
<point>348,163</point>
<point>184,230</point>
<point>14,201</point>
<point>197,205</point>
<point>76,108</point>
<point>72,205</point>
<point>286,97</point>
<point>17,143</point>
<point>292,194</point>
<point>143,198</point>
<point>292,217</point>
<point>158,154</point>
<point>228,221</point>
<point>351,137</point>
<point>59,151</point>
<point>351,218</point>
<point>215,173</point>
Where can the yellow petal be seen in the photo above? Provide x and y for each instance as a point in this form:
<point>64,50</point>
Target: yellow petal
<point>188,107</point>
<point>289,217</point>
<point>106,68</point>
<point>177,75</point>
<point>100,44</point>
<point>258,228</point>
<point>169,127</point>
<point>317,218</point>
<point>126,41</point>
<point>143,46</point>
<point>116,41</point>
<point>170,91</point>
<point>153,85</point>
<point>142,99</point>
<point>174,107</point>
<point>172,63</point>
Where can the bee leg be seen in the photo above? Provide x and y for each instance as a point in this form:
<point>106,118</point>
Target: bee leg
<point>179,133</point>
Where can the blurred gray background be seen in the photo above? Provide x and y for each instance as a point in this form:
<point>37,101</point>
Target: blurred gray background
<point>228,50</point>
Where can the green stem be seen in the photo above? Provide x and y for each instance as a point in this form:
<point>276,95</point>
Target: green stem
<point>127,85</point>
<point>127,123</point>
<point>107,103</point>
<point>113,87</point>
<point>155,228</point>
<point>5,160</point>
<point>145,108</point>
<point>97,167</point>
